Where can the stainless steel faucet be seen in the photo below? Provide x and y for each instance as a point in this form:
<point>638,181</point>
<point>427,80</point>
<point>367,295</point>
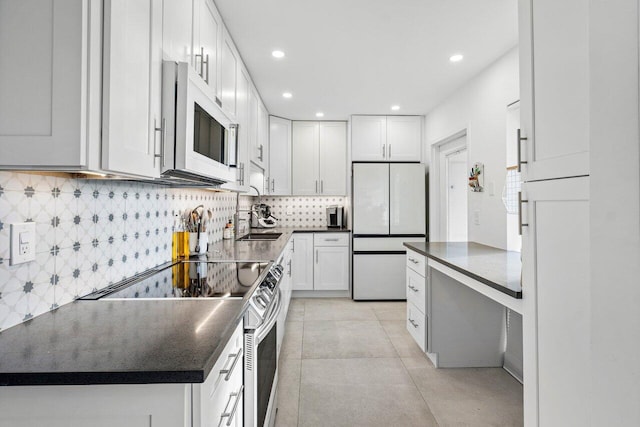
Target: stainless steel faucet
<point>236,223</point>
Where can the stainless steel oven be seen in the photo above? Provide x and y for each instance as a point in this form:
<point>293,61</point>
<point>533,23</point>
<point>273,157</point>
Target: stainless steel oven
<point>261,358</point>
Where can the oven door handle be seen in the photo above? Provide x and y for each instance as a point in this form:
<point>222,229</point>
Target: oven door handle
<point>263,330</point>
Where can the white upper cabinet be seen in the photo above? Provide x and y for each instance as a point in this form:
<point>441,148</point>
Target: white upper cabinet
<point>404,138</point>
<point>333,158</point>
<point>263,141</point>
<point>44,78</point>
<point>319,158</point>
<point>132,123</point>
<point>386,138</point>
<point>279,156</point>
<point>207,34</point>
<point>177,30</point>
<point>554,88</point>
<point>228,75</point>
<point>242,119</point>
<point>305,167</point>
<point>368,138</point>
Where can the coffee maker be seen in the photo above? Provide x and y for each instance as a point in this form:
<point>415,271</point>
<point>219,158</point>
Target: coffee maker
<point>335,216</point>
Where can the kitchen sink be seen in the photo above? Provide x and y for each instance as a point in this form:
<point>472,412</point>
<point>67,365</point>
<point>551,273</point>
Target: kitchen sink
<point>259,237</point>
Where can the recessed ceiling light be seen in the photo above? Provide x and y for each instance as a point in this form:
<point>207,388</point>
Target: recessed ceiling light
<point>287,95</point>
<point>277,54</point>
<point>395,107</point>
<point>319,114</point>
<point>456,58</point>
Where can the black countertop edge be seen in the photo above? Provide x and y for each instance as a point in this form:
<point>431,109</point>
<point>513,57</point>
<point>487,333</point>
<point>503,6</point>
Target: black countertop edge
<point>101,378</point>
<point>494,285</point>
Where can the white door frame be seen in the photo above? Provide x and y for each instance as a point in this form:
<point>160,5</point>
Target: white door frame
<point>436,216</point>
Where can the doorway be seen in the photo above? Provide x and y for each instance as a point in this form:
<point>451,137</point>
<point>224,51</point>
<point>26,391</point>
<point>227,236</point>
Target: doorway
<point>456,194</point>
<point>453,192</point>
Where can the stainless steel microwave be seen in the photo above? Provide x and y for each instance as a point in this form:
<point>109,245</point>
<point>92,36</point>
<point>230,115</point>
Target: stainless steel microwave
<point>200,142</point>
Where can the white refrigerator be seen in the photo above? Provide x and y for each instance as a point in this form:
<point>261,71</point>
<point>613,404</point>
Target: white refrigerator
<point>389,208</point>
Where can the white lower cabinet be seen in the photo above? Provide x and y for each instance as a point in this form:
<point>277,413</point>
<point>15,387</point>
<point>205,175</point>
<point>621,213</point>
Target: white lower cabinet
<point>321,262</point>
<point>220,397</point>
<point>417,325</point>
<point>285,291</point>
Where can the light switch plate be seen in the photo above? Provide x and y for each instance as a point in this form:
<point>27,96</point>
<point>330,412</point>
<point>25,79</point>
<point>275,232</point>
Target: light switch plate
<point>23,242</point>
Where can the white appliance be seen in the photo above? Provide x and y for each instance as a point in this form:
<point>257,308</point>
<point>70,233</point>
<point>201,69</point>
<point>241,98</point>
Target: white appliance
<point>199,142</point>
<point>389,208</point>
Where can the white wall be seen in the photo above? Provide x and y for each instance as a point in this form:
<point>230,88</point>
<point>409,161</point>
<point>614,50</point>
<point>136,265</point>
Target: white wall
<point>480,107</point>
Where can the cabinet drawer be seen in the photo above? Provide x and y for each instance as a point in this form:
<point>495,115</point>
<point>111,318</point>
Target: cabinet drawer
<point>417,325</point>
<point>416,262</point>
<point>331,239</point>
<point>228,367</point>
<point>416,286</point>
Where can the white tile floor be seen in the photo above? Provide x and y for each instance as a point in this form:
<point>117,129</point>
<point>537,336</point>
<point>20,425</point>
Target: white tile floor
<point>346,363</point>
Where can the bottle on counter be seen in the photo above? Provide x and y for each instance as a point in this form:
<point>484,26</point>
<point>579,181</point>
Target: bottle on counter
<point>227,233</point>
<point>180,239</point>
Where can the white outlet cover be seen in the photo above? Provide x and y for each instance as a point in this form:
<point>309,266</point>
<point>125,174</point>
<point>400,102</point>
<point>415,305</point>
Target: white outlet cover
<point>23,242</point>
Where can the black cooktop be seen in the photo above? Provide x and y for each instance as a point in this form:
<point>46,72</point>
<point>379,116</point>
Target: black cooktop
<point>188,279</point>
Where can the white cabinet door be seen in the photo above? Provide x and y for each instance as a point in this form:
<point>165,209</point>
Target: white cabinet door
<point>302,262</point>
<point>263,141</point>
<point>407,206</point>
<point>257,152</point>
<point>370,198</point>
<point>305,165</point>
<point>404,138</point>
<point>333,158</point>
<point>207,33</point>
<point>242,119</point>
<point>280,156</point>
<point>556,297</point>
<point>368,138</point>
<point>43,63</point>
<point>132,87</point>
<point>331,269</point>
<point>554,87</point>
<point>177,30</point>
<point>228,75</point>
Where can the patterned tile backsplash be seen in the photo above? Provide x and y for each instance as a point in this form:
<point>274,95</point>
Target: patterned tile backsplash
<point>90,233</point>
<point>302,211</point>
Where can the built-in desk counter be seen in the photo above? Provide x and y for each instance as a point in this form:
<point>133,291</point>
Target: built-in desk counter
<point>457,293</point>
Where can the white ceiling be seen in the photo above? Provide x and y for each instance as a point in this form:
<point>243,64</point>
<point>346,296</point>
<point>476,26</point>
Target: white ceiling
<point>348,57</point>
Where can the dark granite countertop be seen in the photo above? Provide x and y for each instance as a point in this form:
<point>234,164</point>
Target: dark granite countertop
<point>119,342</point>
<point>132,342</point>
<point>494,267</point>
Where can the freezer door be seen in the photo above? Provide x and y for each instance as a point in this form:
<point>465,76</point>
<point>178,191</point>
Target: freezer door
<point>407,198</point>
<point>379,276</point>
<point>371,198</point>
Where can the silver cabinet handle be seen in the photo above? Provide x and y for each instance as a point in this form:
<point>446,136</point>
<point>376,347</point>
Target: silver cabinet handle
<point>206,76</point>
<point>261,149</point>
<point>322,186</point>
<point>415,325</point>
<point>229,371</point>
<point>413,260</point>
<point>413,288</point>
<point>331,240</point>
<point>293,245</point>
<point>273,185</point>
<point>520,202</point>
<point>241,173</point>
<point>389,151</point>
<point>383,151</point>
<point>520,161</point>
<point>316,186</point>
<point>289,272</point>
<point>163,130</point>
<point>316,256</point>
<point>230,415</point>
<point>201,56</point>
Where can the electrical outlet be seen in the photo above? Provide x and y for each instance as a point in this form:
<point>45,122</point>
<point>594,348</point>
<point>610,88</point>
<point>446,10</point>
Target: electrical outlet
<point>23,242</point>
<point>289,211</point>
<point>476,217</point>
